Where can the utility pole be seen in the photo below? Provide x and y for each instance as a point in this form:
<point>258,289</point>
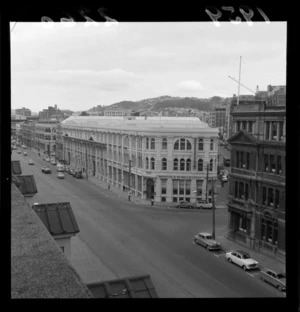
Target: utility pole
<point>86,161</point>
<point>238,99</point>
<point>213,208</point>
<point>129,182</point>
<point>206,182</point>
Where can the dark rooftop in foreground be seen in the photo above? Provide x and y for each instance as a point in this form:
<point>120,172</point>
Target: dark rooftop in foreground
<point>27,185</point>
<point>38,268</point>
<point>132,287</point>
<point>58,218</point>
<point>16,167</point>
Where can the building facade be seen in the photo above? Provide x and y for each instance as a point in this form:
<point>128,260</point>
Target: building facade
<point>257,180</point>
<point>45,137</point>
<point>27,131</point>
<point>52,113</point>
<point>164,158</point>
<point>115,111</point>
<point>23,112</point>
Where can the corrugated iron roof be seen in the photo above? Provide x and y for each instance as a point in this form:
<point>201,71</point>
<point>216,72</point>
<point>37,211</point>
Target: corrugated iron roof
<point>133,287</point>
<point>16,167</point>
<point>58,218</point>
<point>27,184</point>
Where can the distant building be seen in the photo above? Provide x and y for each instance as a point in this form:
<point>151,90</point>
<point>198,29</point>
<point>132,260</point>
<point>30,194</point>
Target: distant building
<point>45,137</point>
<point>23,112</point>
<point>217,117</point>
<point>50,113</point>
<point>115,111</point>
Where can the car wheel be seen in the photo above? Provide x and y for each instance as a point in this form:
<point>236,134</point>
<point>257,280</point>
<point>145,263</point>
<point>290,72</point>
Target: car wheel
<point>207,247</point>
<point>244,268</point>
<point>229,259</point>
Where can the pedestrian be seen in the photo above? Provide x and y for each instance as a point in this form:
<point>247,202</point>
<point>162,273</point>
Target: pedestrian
<point>152,201</point>
<point>129,193</point>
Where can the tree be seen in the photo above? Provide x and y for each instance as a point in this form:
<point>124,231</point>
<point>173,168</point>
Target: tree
<point>84,114</point>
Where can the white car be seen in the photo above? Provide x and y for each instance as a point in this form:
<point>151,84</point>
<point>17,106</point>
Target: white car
<point>30,162</point>
<point>203,204</point>
<point>224,178</point>
<point>242,259</point>
<point>60,175</point>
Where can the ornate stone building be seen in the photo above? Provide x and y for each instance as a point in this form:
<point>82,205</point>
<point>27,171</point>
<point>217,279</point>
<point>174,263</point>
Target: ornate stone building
<point>160,157</point>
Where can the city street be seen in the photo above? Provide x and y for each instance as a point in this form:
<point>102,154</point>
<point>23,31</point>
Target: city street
<point>131,239</point>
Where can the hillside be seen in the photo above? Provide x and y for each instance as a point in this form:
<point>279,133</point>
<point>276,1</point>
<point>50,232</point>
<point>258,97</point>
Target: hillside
<point>161,103</point>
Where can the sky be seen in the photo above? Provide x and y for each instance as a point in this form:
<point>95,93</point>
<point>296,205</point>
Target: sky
<point>80,65</point>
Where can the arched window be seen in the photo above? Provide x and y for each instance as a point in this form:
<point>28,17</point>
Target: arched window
<point>164,164</point>
<point>182,144</point>
<point>188,145</point>
<point>152,163</point>
<point>147,143</point>
<point>182,164</point>
<point>200,145</point>
<point>147,163</point>
<point>175,164</point>
<point>200,165</point>
<point>164,144</point>
<point>211,165</point>
<point>176,145</point>
<point>152,143</point>
<point>188,165</point>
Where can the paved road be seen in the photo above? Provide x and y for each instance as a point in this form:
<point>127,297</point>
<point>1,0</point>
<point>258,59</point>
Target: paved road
<point>132,239</point>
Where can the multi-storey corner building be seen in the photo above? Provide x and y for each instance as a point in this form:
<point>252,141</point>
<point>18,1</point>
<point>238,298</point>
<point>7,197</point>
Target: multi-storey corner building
<point>45,137</point>
<point>257,180</point>
<point>161,157</point>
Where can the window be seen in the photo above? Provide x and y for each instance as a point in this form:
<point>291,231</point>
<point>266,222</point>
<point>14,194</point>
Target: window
<point>188,145</point>
<point>211,144</point>
<point>278,165</point>
<point>181,187</point>
<point>164,144</point>
<point>244,125</point>
<point>241,190</point>
<point>188,187</point>
<point>152,143</point>
<point>199,184</point>
<point>267,125</point>
<point>250,126</point>
<point>152,163</point>
<point>264,197</point>
<point>175,187</point>
<point>243,224</point>
<point>200,165</point>
<point>163,199</point>
<point>200,145</point>
<point>236,188</point>
<point>270,197</point>
<point>237,159</point>
<point>242,160</point>
<point>188,165</point>
<point>164,186</point>
<point>276,204</point>
<point>147,163</point>
<point>147,143</point>
<point>62,249</point>
<point>246,191</point>
<point>164,164</point>
<point>182,144</point>
<point>274,130</point>
<point>176,145</point>
<point>211,165</point>
<point>266,163</point>
<point>238,125</point>
<point>175,164</point>
<point>280,130</point>
<point>182,164</point>
<point>248,161</point>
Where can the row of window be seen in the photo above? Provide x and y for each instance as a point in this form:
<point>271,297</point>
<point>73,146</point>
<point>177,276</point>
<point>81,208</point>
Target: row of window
<point>242,160</point>
<point>181,165</point>
<point>272,164</point>
<point>245,125</point>
<point>270,197</point>
<point>274,130</point>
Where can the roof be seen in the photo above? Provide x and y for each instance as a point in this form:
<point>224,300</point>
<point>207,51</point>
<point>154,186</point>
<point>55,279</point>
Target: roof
<point>136,122</point>
<point>133,287</point>
<point>27,185</point>
<point>58,218</point>
<point>243,136</point>
<point>16,167</point>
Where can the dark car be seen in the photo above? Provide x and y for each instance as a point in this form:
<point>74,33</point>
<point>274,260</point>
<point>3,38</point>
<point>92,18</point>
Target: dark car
<point>184,204</point>
<point>72,172</point>
<point>46,170</point>
<point>78,175</point>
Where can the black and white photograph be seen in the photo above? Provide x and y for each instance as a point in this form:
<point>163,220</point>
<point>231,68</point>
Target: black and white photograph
<point>148,159</point>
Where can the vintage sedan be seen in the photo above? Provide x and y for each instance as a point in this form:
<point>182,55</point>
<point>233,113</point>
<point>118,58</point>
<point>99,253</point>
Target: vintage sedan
<point>60,175</point>
<point>202,204</point>
<point>242,259</point>
<point>184,204</point>
<point>24,153</point>
<point>30,162</point>
<point>46,170</point>
<point>278,280</point>
<point>206,240</point>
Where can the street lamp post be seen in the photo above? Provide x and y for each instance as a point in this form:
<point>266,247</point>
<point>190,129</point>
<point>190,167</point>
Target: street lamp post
<point>129,182</point>
<point>213,210</point>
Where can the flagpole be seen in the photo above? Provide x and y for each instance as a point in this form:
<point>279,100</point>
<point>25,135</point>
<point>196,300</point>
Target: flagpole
<point>238,99</point>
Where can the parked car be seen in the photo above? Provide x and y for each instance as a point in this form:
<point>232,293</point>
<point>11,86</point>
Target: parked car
<point>224,178</point>
<point>25,153</point>
<point>46,170</point>
<point>60,168</point>
<point>53,162</point>
<point>202,204</point>
<point>66,169</point>
<point>207,241</point>
<point>78,175</point>
<point>226,161</point>
<point>19,152</point>
<point>72,172</point>
<point>184,204</point>
<point>30,162</point>
<point>276,279</point>
<point>24,146</point>
<point>242,259</point>
<point>60,175</point>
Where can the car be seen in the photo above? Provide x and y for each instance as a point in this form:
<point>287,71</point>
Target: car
<point>184,204</point>
<point>78,175</point>
<point>66,169</point>
<point>14,147</point>
<point>242,259</point>
<point>30,162</point>
<point>60,175</point>
<point>224,178</point>
<point>19,152</point>
<point>276,279</point>
<point>206,240</point>
<point>202,204</point>
<point>46,170</point>
<point>60,168</point>
<point>24,146</point>
<point>72,172</point>
<point>47,159</point>
<point>25,153</point>
<point>53,162</point>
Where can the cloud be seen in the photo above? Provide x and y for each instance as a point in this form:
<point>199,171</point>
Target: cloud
<point>189,86</point>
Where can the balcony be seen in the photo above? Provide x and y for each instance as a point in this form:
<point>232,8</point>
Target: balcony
<point>244,172</point>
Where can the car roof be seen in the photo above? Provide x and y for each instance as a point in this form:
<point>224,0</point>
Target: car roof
<point>241,252</point>
<point>204,233</point>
